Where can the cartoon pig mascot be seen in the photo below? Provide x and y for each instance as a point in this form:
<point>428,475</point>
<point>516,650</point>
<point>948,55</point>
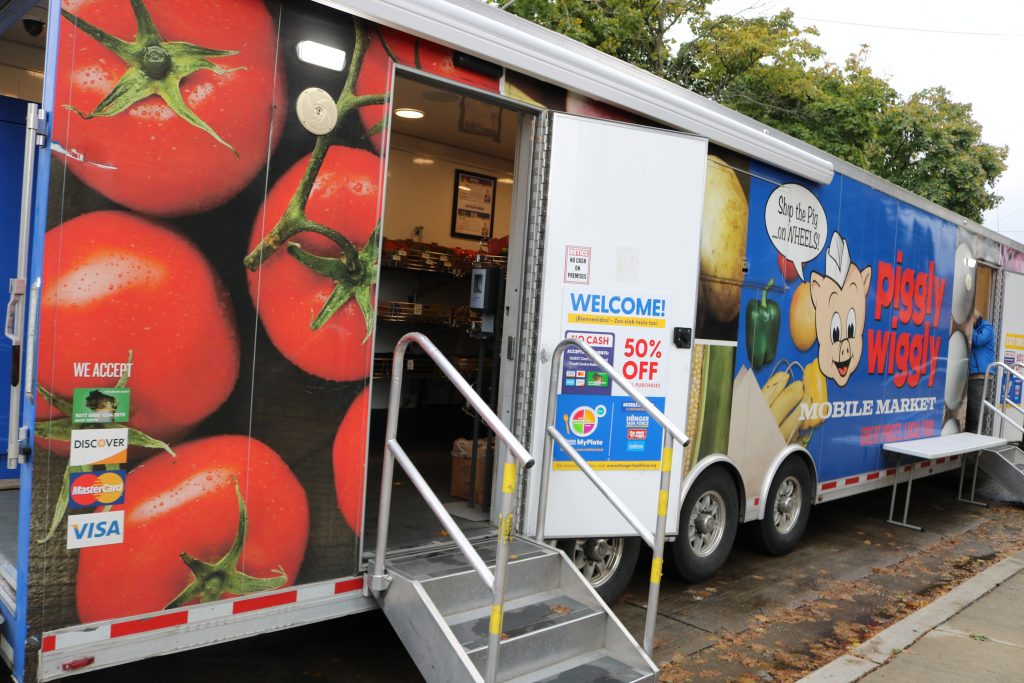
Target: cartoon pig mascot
<point>840,301</point>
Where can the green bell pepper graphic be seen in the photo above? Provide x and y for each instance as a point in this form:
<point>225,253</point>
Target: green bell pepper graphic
<point>763,318</point>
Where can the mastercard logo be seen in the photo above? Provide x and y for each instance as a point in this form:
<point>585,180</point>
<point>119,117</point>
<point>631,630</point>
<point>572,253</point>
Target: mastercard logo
<point>88,489</point>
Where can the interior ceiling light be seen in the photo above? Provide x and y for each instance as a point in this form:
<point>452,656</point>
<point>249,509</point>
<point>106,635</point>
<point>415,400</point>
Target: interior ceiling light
<point>319,54</point>
<point>422,161</point>
<point>505,181</point>
<point>408,113</point>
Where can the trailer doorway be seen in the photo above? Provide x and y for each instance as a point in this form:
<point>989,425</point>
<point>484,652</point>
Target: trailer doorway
<point>452,209</point>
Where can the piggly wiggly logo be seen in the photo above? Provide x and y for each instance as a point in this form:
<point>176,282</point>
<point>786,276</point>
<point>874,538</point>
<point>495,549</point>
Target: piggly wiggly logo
<point>839,298</point>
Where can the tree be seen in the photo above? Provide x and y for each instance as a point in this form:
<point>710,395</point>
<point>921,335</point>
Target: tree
<point>635,31</point>
<point>771,69</point>
<point>933,145</point>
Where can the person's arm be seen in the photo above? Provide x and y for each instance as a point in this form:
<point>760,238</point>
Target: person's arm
<point>984,335</point>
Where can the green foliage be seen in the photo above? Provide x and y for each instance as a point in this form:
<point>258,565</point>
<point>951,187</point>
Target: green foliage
<point>771,70</point>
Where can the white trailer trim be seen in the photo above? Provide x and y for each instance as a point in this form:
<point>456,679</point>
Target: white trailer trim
<point>88,647</point>
<point>489,33</point>
<point>834,489</point>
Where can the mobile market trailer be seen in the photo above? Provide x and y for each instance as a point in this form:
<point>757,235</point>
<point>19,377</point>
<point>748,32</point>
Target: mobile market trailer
<point>266,248</point>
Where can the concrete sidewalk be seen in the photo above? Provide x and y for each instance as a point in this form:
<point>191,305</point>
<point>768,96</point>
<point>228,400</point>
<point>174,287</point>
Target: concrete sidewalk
<point>973,633</point>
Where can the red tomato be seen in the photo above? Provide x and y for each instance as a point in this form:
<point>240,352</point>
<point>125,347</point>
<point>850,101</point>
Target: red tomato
<point>188,505</point>
<point>288,295</point>
<point>349,454</point>
<point>375,74</point>
<point>116,283</point>
<point>148,157</point>
<point>787,268</point>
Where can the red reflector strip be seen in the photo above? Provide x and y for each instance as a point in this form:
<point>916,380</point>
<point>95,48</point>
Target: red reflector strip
<point>851,480</point>
<point>872,476</point>
<point>940,461</point>
<point>49,643</point>
<point>76,664</point>
<point>953,457</point>
<point>263,602</point>
<point>128,628</point>
<point>907,468</point>
<point>829,485</point>
<point>757,501</point>
<point>891,471</point>
<point>348,586</point>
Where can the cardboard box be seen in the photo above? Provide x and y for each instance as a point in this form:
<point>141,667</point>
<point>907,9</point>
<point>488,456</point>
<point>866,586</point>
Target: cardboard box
<point>462,450</point>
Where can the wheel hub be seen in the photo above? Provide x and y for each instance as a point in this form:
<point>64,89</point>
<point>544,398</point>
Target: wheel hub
<point>706,524</point>
<point>597,559</point>
<point>786,505</point>
<point>597,549</point>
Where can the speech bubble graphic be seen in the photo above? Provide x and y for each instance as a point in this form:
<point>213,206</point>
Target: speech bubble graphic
<point>796,224</point>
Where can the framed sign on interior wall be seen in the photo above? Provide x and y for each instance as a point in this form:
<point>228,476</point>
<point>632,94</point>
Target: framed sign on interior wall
<point>473,205</point>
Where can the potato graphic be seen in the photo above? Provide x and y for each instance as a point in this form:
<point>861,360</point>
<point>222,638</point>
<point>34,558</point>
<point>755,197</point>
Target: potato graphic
<point>723,243</point>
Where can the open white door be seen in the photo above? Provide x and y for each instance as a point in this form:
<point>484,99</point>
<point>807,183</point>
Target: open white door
<point>623,215</point>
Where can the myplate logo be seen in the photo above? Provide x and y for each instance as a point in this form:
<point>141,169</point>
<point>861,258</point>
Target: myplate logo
<point>583,421</point>
<point>89,490</point>
<point>98,446</point>
<point>97,528</point>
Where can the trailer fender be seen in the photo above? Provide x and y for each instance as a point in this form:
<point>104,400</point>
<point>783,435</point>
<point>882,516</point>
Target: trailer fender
<point>784,454</point>
<point>715,459</point>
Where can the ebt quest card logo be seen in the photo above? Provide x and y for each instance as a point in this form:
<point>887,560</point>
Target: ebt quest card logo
<point>100,405</point>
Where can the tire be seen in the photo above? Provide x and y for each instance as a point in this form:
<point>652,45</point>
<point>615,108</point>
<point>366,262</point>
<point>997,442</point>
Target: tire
<point>606,563</point>
<point>788,509</point>
<point>707,527</point>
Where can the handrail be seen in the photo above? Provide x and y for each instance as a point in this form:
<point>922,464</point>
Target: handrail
<point>379,580</point>
<point>671,433</point>
<point>616,502</point>
<point>995,371</point>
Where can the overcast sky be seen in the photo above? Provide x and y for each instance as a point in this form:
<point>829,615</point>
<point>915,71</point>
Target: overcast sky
<point>975,49</point>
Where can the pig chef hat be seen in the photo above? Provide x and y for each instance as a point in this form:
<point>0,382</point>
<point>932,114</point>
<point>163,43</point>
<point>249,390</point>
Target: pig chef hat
<point>837,261</point>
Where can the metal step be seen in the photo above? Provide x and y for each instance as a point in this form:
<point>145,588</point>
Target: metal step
<point>1006,466</point>
<point>554,626</point>
<point>537,631</point>
<point>600,666</point>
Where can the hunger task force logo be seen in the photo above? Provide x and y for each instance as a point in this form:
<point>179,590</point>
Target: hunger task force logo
<point>87,489</point>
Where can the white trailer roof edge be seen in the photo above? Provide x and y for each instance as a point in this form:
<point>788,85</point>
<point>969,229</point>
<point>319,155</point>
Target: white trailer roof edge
<point>487,32</point>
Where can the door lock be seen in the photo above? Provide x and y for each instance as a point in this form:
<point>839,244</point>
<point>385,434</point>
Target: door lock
<point>682,337</point>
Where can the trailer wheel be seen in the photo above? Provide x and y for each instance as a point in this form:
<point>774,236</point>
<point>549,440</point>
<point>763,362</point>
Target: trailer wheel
<point>707,527</point>
<point>789,507</point>
<point>607,563</point>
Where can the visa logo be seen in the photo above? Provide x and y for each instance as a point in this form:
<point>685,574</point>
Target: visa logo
<point>98,528</point>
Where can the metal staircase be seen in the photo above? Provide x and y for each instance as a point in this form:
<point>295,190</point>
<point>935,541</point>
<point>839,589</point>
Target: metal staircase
<point>503,608</point>
<point>555,627</point>
<point>1005,462</point>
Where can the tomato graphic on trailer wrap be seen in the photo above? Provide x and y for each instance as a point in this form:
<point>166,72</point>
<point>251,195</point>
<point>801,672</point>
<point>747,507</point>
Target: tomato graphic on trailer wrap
<point>862,358</point>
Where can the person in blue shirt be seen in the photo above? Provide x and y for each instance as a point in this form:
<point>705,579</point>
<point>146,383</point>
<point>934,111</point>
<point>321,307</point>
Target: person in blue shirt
<point>983,352</point>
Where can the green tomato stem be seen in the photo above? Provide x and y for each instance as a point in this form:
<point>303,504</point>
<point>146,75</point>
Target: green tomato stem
<point>155,67</point>
<point>354,271</point>
<point>211,580</point>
